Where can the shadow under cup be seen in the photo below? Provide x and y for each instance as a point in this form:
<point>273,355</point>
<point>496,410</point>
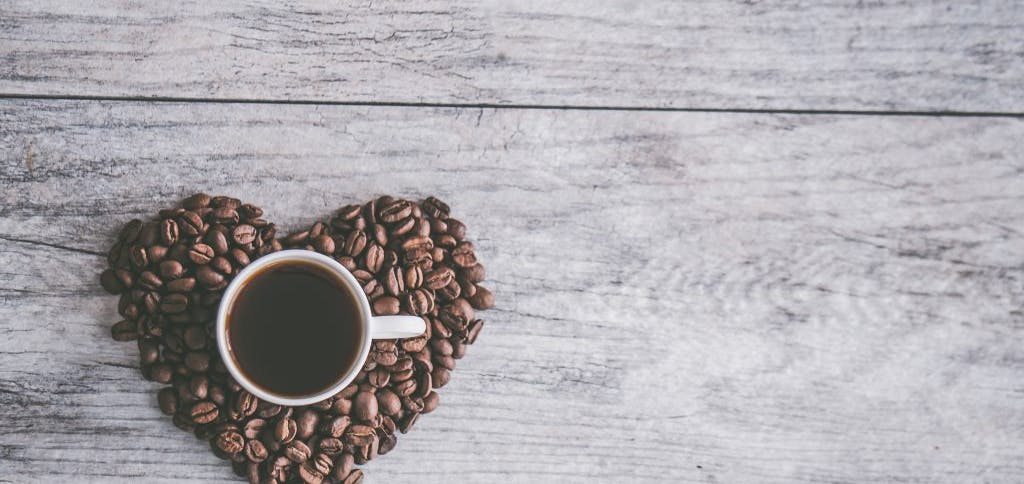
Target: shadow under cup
<point>294,328</point>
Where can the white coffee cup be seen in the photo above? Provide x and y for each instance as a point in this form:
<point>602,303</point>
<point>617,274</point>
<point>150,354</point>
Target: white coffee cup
<point>373,327</point>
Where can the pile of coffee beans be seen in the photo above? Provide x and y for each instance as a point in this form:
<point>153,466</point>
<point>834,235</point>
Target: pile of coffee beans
<point>411,258</point>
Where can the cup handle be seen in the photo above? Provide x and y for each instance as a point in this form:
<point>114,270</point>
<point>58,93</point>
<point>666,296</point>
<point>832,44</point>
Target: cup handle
<point>394,327</point>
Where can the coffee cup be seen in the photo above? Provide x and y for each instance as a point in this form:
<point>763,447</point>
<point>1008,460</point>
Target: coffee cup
<point>294,327</point>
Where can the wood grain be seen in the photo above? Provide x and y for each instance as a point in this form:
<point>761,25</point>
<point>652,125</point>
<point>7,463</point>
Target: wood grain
<point>682,297</point>
<point>960,55</point>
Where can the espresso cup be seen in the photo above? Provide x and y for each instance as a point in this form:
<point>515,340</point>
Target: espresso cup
<point>230,340</point>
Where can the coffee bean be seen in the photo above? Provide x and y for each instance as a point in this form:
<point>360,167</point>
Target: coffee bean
<point>439,378</point>
<point>379,377</point>
<point>313,471</point>
<point>191,224</point>
<point>230,441</point>
<point>198,361</point>
<point>418,242</point>
<point>358,435</point>
<point>203,412</point>
<point>388,402</point>
<point>450,292</point>
<point>456,229</point>
<point>356,477</point>
<point>336,426</point>
<point>255,451</point>
<point>474,330</point>
<point>174,303</point>
<point>407,423</point>
<point>297,451</point>
<point>458,348</point>
<point>331,446</point>
<point>200,254</point>
<point>386,305</point>
<point>474,273</point>
<point>388,441</point>
<point>110,282</point>
<point>324,244</point>
<point>405,388</point>
<point>196,201</point>
<point>364,407</point>
<point>167,398</point>
<point>441,347</point>
<point>306,421</point>
<point>208,277</point>
<point>394,211</point>
<point>124,330</point>
<point>435,208</point>
<point>168,232</point>
<point>156,254</point>
<point>150,281</point>
<point>457,315</point>
<point>355,243</point>
<point>183,285</point>
<point>245,403</point>
<point>444,361</point>
<point>419,301</point>
<point>217,241</point>
<point>285,430</point>
<point>198,386</point>
<point>439,278</point>
<point>224,215</point>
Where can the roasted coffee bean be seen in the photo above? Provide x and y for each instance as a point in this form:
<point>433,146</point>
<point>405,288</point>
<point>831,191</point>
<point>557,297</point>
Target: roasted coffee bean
<point>388,402</point>
<point>285,430</point>
<point>394,211</point>
<point>203,412</point>
<point>331,446</point>
<point>167,398</point>
<point>138,257</point>
<point>418,242</point>
<point>430,402</point>
<point>230,441</point>
<point>473,331</point>
<point>413,277</point>
<point>408,421</point>
<point>385,305</point>
<point>324,244</point>
<point>336,426</point>
<point>413,345</point>
<point>255,451</point>
<point>439,278</point>
<point>458,348</point>
<point>414,402</point>
<point>200,254</point>
<point>439,377</point>
<point>161,373</point>
<point>457,315</point>
<point>444,361</point>
<point>149,351</point>
<point>182,285</point>
<point>297,451</point>
<point>306,421</point>
<point>195,202</point>
<point>313,471</point>
<point>405,388</point>
<point>218,241</point>
<point>191,224</point>
<point>239,256</point>
<point>373,260</point>
<point>222,265</point>
<point>110,282</point>
<point>468,288</point>
<point>355,242</point>
<point>130,232</point>
<point>168,232</point>
<point>174,303</point>
<point>393,281</point>
<point>456,229</point>
<point>482,298</point>
<point>224,215</point>
<point>450,292</point>
<point>208,277</point>
<point>342,406</point>
<point>356,477</point>
<point>474,273</point>
<point>156,254</point>
<point>438,329</point>
<point>379,377</point>
<point>253,428</point>
<point>420,258</point>
<point>419,301</point>
<point>125,330</point>
<point>150,281</point>
<point>198,361</point>
<point>249,211</point>
<point>199,386</point>
<point>435,208</point>
<point>387,442</point>
<point>358,435</point>
<point>245,403</point>
<point>364,407</point>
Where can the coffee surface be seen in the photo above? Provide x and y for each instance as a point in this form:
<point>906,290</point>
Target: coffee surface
<point>294,329</point>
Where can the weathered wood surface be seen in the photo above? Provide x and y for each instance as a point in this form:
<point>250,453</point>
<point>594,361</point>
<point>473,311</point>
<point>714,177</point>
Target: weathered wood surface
<point>681,297</point>
<point>963,55</point>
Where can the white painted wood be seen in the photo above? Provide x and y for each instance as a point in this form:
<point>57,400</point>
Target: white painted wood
<point>936,55</point>
<point>681,297</point>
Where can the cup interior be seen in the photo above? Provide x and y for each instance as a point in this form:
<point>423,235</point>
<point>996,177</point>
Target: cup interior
<point>349,282</point>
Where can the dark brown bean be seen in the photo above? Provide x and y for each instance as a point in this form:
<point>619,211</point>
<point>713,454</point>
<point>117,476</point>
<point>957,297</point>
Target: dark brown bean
<point>203,412</point>
<point>167,398</point>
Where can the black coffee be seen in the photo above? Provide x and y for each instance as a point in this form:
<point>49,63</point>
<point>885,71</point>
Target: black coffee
<point>294,329</point>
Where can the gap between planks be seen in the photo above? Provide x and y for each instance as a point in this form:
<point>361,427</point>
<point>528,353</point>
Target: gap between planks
<point>558,107</point>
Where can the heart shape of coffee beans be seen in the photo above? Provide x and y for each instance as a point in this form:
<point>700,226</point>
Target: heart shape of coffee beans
<point>411,258</point>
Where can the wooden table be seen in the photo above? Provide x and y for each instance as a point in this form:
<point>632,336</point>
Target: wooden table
<point>731,241</point>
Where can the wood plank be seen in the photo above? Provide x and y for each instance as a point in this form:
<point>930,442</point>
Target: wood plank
<point>682,297</point>
<point>939,55</point>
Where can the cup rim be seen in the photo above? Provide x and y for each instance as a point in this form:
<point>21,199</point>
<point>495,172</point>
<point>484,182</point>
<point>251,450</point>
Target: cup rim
<point>231,293</point>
